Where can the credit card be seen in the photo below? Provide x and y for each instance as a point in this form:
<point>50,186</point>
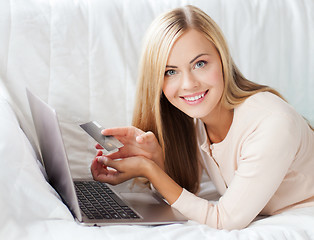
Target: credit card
<point>109,143</point>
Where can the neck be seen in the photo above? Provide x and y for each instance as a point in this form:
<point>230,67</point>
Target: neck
<point>218,124</point>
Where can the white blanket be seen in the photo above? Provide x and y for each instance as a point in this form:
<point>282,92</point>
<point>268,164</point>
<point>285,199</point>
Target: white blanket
<point>30,208</point>
<point>81,57</point>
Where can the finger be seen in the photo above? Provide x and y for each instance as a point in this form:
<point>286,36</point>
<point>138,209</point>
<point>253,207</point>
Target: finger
<point>93,166</point>
<point>118,131</point>
<point>117,155</point>
<point>101,174</point>
<point>108,177</point>
<point>146,137</point>
<point>102,160</point>
<point>97,169</point>
<point>150,135</point>
<point>113,179</point>
<point>99,153</point>
<point>127,151</point>
<point>114,155</point>
<point>97,146</point>
<point>122,131</point>
<point>140,138</point>
<point>115,164</point>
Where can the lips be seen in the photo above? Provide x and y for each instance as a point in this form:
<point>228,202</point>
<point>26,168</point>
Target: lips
<point>194,98</point>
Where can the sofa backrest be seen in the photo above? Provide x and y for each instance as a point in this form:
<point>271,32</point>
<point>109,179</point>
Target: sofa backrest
<point>81,56</point>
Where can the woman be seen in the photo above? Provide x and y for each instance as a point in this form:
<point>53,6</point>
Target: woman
<point>196,111</point>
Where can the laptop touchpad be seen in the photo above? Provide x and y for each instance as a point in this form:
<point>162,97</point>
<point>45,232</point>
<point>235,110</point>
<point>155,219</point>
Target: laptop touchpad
<point>139,198</point>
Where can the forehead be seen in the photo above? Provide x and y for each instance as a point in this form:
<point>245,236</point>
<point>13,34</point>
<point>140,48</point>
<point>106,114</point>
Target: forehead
<point>189,45</point>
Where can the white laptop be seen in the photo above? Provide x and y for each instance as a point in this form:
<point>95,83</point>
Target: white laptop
<point>91,202</point>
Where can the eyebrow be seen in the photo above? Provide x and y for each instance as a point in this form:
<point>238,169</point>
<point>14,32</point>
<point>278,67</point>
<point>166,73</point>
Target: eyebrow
<point>199,55</point>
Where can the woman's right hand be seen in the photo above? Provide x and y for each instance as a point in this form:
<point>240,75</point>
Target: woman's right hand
<point>136,143</point>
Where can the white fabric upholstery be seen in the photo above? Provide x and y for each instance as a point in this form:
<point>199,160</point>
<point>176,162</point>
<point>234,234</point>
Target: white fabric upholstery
<point>25,193</point>
<point>81,56</point>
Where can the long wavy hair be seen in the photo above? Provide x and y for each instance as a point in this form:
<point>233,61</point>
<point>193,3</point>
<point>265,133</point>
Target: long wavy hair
<point>175,130</point>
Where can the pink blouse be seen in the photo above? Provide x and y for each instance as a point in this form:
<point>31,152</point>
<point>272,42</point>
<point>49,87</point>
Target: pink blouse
<point>264,165</point>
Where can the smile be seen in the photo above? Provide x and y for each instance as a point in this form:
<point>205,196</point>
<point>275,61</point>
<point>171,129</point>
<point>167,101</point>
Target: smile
<point>195,98</point>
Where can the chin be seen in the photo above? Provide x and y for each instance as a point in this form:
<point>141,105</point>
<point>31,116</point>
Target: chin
<point>194,115</point>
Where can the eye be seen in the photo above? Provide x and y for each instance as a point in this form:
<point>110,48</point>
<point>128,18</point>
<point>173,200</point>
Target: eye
<point>200,64</point>
<point>170,72</point>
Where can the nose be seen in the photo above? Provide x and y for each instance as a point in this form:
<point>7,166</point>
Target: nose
<point>188,81</point>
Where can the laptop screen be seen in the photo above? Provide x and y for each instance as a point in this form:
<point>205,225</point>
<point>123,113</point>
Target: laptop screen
<point>53,152</point>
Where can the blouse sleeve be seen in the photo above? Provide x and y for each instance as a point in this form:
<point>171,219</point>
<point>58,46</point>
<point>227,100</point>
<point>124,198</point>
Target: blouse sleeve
<point>266,156</point>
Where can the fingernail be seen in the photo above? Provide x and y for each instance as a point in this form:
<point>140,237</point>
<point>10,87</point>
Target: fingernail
<point>102,160</point>
<point>103,131</point>
<point>139,139</point>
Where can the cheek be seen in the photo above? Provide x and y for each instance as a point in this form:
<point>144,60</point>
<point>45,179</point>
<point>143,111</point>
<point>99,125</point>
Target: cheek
<point>218,79</point>
<point>214,78</point>
<point>169,89</point>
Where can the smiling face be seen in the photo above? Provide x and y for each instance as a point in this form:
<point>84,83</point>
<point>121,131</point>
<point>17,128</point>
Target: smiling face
<point>193,79</point>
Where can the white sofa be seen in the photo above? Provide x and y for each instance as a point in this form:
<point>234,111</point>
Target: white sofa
<point>81,57</point>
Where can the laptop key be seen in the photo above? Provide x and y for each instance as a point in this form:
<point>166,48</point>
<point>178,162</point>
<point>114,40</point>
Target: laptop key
<point>115,216</point>
<point>118,200</point>
<point>101,202</point>
<point>124,215</point>
<point>107,216</point>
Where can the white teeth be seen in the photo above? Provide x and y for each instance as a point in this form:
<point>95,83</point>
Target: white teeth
<point>195,97</point>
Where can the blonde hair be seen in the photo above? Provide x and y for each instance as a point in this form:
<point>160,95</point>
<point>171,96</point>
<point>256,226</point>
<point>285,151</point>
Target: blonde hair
<point>153,112</point>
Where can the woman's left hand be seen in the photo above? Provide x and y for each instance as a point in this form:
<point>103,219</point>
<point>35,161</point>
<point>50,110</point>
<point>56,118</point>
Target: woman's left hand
<point>120,170</point>
<point>124,169</point>
<point>141,156</point>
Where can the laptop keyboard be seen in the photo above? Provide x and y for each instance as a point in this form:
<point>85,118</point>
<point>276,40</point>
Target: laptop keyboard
<point>98,201</point>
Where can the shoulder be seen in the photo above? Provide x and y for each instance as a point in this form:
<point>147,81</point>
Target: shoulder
<point>266,102</point>
<point>267,112</point>
<point>266,105</point>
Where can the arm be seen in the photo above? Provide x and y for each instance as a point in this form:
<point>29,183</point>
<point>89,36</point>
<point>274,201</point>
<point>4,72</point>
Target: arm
<point>167,187</point>
<point>131,167</point>
<point>265,158</point>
